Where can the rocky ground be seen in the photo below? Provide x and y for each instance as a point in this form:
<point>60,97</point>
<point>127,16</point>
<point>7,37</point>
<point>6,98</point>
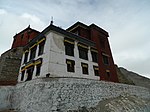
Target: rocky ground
<point>123,103</point>
<point>135,78</point>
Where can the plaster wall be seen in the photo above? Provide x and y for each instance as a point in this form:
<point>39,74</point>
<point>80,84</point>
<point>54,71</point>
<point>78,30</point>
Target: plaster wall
<point>54,60</point>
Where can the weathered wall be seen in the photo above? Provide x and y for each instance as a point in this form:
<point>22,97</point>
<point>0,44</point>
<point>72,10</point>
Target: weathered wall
<point>5,97</point>
<point>62,94</point>
<point>9,66</point>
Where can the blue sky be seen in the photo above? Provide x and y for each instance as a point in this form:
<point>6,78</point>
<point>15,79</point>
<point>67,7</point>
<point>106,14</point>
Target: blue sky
<point>127,22</point>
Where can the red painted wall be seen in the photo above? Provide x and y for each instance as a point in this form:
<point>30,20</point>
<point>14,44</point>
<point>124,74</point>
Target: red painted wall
<point>22,38</point>
<point>97,34</point>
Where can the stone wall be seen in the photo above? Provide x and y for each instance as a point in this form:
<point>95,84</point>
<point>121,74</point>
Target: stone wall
<point>9,66</point>
<point>64,94</point>
<point>5,97</point>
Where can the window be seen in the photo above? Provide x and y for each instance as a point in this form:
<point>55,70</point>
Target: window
<point>26,57</point>
<point>84,68</point>
<point>70,65</point>
<point>33,52</point>
<point>105,59</point>
<point>30,73</point>
<point>22,35</point>
<point>41,48</point>
<point>96,70</point>
<point>22,75</point>
<point>94,56</point>
<point>102,43</point>
<point>69,49</point>
<point>83,53</point>
<point>108,74</point>
<point>38,69</point>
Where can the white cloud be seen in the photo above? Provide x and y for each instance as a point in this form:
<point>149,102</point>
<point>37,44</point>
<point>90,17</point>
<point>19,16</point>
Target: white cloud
<point>2,11</point>
<point>10,24</point>
<point>126,21</point>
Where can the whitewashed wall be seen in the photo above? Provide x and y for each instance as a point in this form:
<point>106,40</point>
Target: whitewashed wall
<point>63,94</point>
<point>58,66</point>
<point>54,60</point>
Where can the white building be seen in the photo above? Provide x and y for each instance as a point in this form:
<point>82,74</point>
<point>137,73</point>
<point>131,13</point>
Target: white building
<point>58,53</point>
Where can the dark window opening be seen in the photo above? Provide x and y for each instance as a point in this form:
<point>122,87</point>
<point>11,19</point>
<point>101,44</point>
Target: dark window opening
<point>108,75</point>
<point>38,69</point>
<point>105,60</point>
<point>96,70</point>
<point>83,53</point>
<point>69,49</point>
<point>102,43</point>
<point>41,48</point>
<point>22,75</point>
<point>94,56</point>
<point>26,57</point>
<point>84,68</point>
<point>70,65</point>
<point>33,52</point>
<point>22,35</point>
<point>29,73</point>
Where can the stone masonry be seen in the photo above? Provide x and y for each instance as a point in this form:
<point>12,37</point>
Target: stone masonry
<point>65,94</point>
<point>9,66</point>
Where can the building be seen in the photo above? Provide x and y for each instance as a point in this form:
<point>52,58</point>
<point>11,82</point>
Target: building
<point>23,37</point>
<point>107,70</point>
<point>81,51</point>
<point>11,59</point>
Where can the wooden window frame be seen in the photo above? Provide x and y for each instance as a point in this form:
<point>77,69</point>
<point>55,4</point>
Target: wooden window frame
<point>96,70</point>
<point>41,48</point>
<point>26,55</point>
<point>33,52</point>
<point>70,65</point>
<point>105,58</point>
<point>22,75</point>
<point>85,68</point>
<point>83,53</point>
<point>38,70</point>
<point>69,48</point>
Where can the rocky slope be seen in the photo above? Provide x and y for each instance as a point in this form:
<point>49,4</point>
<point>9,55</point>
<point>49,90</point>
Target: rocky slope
<point>129,77</point>
<point>123,103</point>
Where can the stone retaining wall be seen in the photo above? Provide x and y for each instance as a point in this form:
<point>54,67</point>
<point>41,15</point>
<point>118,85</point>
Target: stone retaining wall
<point>63,94</point>
<point>6,97</point>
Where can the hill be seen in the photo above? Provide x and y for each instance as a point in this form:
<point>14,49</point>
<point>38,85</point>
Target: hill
<point>129,77</point>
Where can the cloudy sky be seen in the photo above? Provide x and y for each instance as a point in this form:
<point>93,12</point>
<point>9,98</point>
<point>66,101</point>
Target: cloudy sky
<point>127,21</point>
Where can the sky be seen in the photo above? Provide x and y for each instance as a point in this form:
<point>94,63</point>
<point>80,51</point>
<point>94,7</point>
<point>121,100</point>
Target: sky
<point>126,21</point>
